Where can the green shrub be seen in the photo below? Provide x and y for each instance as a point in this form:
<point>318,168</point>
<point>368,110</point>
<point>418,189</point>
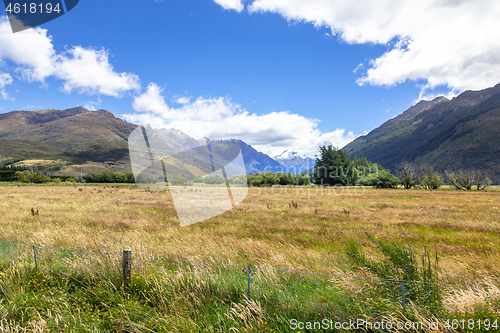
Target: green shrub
<point>262,179</point>
<point>238,180</point>
<point>210,179</point>
<point>432,181</point>
<point>386,180</point>
<point>109,177</point>
<point>36,177</point>
<point>181,180</point>
<point>400,263</point>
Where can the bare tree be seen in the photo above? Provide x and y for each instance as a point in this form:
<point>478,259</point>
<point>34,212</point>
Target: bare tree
<point>407,173</point>
<point>466,179</point>
<point>481,180</point>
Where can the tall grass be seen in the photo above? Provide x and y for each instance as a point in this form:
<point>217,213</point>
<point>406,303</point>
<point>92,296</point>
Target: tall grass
<point>74,291</point>
<point>399,263</point>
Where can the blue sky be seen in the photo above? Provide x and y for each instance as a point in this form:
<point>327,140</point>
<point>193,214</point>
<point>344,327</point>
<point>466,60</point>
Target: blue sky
<point>279,74</point>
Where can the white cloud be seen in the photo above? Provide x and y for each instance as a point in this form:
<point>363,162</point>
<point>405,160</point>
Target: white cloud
<point>431,96</point>
<point>219,118</point>
<point>91,105</point>
<point>31,50</point>
<point>231,4</point>
<point>151,101</point>
<point>183,100</point>
<point>81,69</point>
<point>89,71</point>
<point>451,43</point>
<point>5,79</point>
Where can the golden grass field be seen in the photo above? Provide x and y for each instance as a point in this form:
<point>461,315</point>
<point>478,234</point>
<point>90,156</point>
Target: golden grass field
<point>266,229</point>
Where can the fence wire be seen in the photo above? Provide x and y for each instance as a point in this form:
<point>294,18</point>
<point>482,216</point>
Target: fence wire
<point>266,284</point>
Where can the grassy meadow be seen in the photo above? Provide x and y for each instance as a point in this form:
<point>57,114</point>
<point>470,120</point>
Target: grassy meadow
<point>324,230</point>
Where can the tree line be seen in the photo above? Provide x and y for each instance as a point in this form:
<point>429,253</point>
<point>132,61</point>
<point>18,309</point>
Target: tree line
<point>334,167</point>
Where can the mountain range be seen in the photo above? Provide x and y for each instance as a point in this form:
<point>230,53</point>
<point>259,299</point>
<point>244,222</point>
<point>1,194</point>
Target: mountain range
<point>76,140</point>
<point>461,133</point>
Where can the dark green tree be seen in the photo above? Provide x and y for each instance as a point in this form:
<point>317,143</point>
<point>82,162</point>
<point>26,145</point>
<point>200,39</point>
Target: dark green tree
<point>334,167</point>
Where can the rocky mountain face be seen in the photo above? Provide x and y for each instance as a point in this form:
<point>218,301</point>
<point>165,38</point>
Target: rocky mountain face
<point>256,161</point>
<point>462,133</point>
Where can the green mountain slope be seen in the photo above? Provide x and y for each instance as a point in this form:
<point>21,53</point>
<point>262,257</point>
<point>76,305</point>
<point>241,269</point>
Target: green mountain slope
<point>70,141</point>
<point>448,135</point>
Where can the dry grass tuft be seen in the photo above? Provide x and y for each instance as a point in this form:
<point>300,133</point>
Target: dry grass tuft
<point>469,298</point>
<point>248,315</point>
<point>33,326</point>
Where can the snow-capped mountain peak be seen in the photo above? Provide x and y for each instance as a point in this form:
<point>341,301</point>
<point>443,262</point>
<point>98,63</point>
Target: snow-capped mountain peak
<point>288,155</point>
<point>294,161</point>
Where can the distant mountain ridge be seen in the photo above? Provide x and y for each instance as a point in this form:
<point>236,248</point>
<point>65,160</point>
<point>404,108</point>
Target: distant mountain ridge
<point>462,133</point>
<point>76,141</point>
<point>255,161</point>
<point>74,128</point>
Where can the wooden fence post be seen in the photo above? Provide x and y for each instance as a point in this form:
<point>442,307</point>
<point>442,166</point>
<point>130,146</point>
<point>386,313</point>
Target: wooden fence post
<point>403,300</point>
<point>248,277</point>
<point>127,266</point>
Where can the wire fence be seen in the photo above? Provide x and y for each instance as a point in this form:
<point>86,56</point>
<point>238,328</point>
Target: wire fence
<point>346,293</point>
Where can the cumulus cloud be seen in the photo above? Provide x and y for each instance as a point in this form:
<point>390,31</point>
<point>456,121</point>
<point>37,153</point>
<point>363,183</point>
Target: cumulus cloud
<point>5,79</point>
<point>81,69</point>
<point>31,50</point>
<point>450,43</point>
<point>219,118</point>
<point>231,4</point>
<point>151,101</point>
<point>89,71</point>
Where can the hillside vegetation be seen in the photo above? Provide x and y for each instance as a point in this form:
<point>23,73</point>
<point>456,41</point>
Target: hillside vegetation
<point>446,135</point>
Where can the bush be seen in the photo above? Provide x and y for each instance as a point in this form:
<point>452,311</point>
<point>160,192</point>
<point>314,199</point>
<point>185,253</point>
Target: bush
<point>238,180</point>
<point>262,179</point>
<point>386,180</point>
<point>71,181</point>
<point>281,178</point>
<point>8,173</point>
<point>432,181</point>
<point>285,178</point>
<point>370,174</point>
<point>181,180</point>
<point>109,177</point>
<point>210,179</point>
<point>36,177</point>
<point>400,263</point>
